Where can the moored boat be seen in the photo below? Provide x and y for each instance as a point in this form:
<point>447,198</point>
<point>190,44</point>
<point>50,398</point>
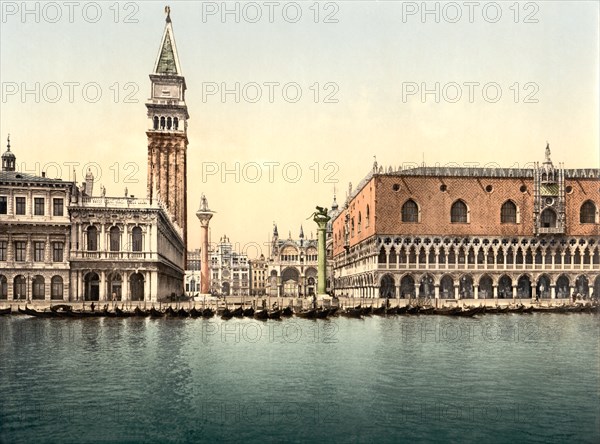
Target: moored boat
<point>5,311</point>
<point>261,314</point>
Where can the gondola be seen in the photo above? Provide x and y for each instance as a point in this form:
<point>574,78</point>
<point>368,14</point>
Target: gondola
<point>468,312</point>
<point>380,311</point>
<point>333,311</point>
<point>322,313</point>
<point>60,307</point>
<point>261,314</point>
<point>154,313</point>
<point>517,309</point>
<point>528,309</point>
<point>169,312</point>
<point>352,313</point>
<point>402,310</point>
<point>249,312</point>
<point>226,314</point>
<point>122,314</point>
<point>391,311</point>
<point>107,313</point>
<point>275,314</point>
<point>426,310</point>
<point>5,311</point>
<point>208,313</point>
<point>238,312</point>
<point>137,311</point>
<point>307,314</point>
<point>37,314</point>
<point>182,313</point>
<point>413,309</point>
<point>195,313</point>
<point>446,310</point>
<point>287,312</point>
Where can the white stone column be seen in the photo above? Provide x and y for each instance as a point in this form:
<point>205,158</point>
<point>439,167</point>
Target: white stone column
<point>476,291</point>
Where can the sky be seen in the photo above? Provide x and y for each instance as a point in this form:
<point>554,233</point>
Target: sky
<point>290,101</point>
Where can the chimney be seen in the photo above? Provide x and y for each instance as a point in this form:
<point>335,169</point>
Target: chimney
<point>43,174</point>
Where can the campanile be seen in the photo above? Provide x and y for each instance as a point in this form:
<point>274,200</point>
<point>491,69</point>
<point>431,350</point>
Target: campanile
<point>167,136</point>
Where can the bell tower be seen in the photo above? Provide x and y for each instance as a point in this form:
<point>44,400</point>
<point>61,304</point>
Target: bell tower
<point>167,136</point>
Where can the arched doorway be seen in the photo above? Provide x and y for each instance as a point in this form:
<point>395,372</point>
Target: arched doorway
<point>38,288</point>
<point>407,287</point>
<point>524,287</point>
<point>466,287</point>
<point>543,287</point>
<point>290,279</point>
<point>91,287</point>
<point>311,281</point>
<point>225,289</point>
<point>273,283</point>
<point>582,286</point>
<point>56,287</point>
<point>19,288</point>
<point>505,287</point>
<point>562,287</point>
<point>426,287</point>
<point>114,286</point>
<point>447,287</point>
<point>3,287</point>
<point>387,286</point>
<point>136,286</point>
<point>486,287</point>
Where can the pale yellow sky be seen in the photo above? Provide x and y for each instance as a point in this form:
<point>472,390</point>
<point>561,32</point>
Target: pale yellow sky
<point>374,62</point>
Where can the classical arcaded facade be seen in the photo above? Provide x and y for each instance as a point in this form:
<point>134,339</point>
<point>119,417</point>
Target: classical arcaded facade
<point>167,136</point>
<point>124,248</point>
<point>34,234</point>
<point>470,233</point>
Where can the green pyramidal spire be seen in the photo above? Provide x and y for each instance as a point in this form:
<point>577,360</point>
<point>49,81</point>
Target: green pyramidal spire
<point>167,61</point>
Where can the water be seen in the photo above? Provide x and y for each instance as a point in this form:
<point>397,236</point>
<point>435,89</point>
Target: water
<point>497,378</point>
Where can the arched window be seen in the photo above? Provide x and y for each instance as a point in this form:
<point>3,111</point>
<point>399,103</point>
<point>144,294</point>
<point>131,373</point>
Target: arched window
<point>410,211</point>
<point>136,239</point>
<point>359,221</point>
<point>368,217</point>
<point>548,218</point>
<point>587,213</point>
<point>19,288</point>
<point>162,123</point>
<point>459,212</point>
<point>115,239</point>
<point>169,122</point>
<point>38,287</point>
<point>3,287</point>
<point>175,123</point>
<point>92,238</point>
<point>56,290</point>
<point>352,228</point>
<point>508,213</point>
<point>155,122</point>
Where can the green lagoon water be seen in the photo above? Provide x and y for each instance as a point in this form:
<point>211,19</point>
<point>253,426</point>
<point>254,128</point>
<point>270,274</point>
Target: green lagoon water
<point>496,378</point>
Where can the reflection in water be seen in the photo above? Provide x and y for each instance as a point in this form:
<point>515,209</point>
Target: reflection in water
<point>494,378</point>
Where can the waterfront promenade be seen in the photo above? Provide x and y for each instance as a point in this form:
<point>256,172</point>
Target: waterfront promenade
<point>257,302</point>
